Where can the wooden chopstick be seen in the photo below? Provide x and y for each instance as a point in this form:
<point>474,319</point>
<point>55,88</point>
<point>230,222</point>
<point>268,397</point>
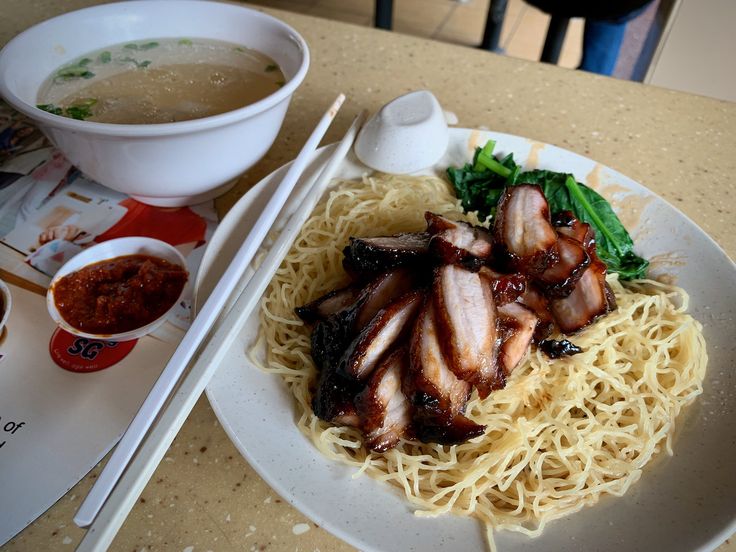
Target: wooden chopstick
<point>123,497</point>
<point>199,329</point>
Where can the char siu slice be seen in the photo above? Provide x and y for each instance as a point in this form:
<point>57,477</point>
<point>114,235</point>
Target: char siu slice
<point>506,288</point>
<point>522,233</point>
<point>430,382</point>
<point>457,242</point>
<point>328,304</point>
<point>559,279</point>
<point>539,305</point>
<point>588,301</point>
<point>592,296</point>
<point>379,335</point>
<point>516,325</point>
<point>566,223</point>
<point>437,396</point>
<point>379,254</point>
<point>466,321</point>
<point>446,431</point>
<point>334,398</point>
<point>381,291</point>
<point>384,411</point>
<point>332,336</point>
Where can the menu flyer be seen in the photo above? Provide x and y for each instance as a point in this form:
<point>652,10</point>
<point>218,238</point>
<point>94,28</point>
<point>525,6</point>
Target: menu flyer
<point>66,400</point>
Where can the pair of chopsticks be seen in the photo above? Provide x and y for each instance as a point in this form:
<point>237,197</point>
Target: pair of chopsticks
<point>122,480</point>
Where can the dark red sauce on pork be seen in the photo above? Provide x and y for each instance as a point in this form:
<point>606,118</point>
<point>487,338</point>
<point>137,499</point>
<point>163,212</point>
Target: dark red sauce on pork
<point>120,294</point>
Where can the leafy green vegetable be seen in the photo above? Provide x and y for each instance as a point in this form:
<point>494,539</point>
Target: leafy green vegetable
<point>81,109</point>
<point>479,186</point>
<point>185,42</point>
<point>79,113</point>
<point>142,46</point>
<point>485,160</point>
<point>138,64</point>
<point>105,57</point>
<point>271,67</point>
<point>51,108</point>
<point>280,83</point>
<point>78,70</point>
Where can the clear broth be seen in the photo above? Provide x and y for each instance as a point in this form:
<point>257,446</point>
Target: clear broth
<point>160,81</point>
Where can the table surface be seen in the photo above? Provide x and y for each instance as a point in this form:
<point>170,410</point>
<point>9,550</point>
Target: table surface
<point>204,495</point>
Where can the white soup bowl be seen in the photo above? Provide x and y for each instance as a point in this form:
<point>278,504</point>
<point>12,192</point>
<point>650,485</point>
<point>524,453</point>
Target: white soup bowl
<point>169,164</point>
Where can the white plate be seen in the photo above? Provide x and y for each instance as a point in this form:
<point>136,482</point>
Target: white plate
<point>687,502</point>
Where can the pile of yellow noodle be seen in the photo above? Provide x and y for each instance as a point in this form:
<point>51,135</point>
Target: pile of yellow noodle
<point>561,434</point>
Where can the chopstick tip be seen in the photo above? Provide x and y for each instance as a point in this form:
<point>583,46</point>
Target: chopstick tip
<point>337,105</point>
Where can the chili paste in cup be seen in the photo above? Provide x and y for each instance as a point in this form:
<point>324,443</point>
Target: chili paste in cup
<point>120,294</point>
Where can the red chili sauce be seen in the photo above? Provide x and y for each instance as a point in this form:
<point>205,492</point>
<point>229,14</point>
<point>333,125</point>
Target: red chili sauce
<point>120,294</point>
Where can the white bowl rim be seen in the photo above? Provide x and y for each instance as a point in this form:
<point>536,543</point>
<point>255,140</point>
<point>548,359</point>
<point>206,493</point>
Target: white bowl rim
<point>135,333</point>
<point>7,304</point>
<point>159,129</point>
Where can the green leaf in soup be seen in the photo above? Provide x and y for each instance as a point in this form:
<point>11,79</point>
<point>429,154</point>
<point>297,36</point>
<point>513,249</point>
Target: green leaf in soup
<point>73,72</point>
<point>271,67</point>
<point>51,108</point>
<point>105,57</point>
<point>81,109</point>
<point>142,46</point>
<point>78,113</point>
<point>138,64</point>
<point>84,62</point>
<point>185,42</point>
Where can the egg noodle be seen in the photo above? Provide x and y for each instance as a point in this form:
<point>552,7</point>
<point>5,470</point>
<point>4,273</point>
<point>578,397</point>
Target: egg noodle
<point>561,434</point>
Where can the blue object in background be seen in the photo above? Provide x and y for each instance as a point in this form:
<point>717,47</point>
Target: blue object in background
<point>602,40</point>
<point>601,44</point>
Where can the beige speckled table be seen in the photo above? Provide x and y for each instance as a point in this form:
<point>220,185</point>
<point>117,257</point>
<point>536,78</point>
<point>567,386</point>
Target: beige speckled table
<point>204,496</point>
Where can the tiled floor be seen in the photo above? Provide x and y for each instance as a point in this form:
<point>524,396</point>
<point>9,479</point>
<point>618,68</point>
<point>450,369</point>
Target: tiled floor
<point>460,22</point>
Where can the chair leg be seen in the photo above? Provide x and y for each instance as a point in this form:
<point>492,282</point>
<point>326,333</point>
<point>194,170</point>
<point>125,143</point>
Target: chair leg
<point>494,22</point>
<point>555,37</point>
<point>384,14</point>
